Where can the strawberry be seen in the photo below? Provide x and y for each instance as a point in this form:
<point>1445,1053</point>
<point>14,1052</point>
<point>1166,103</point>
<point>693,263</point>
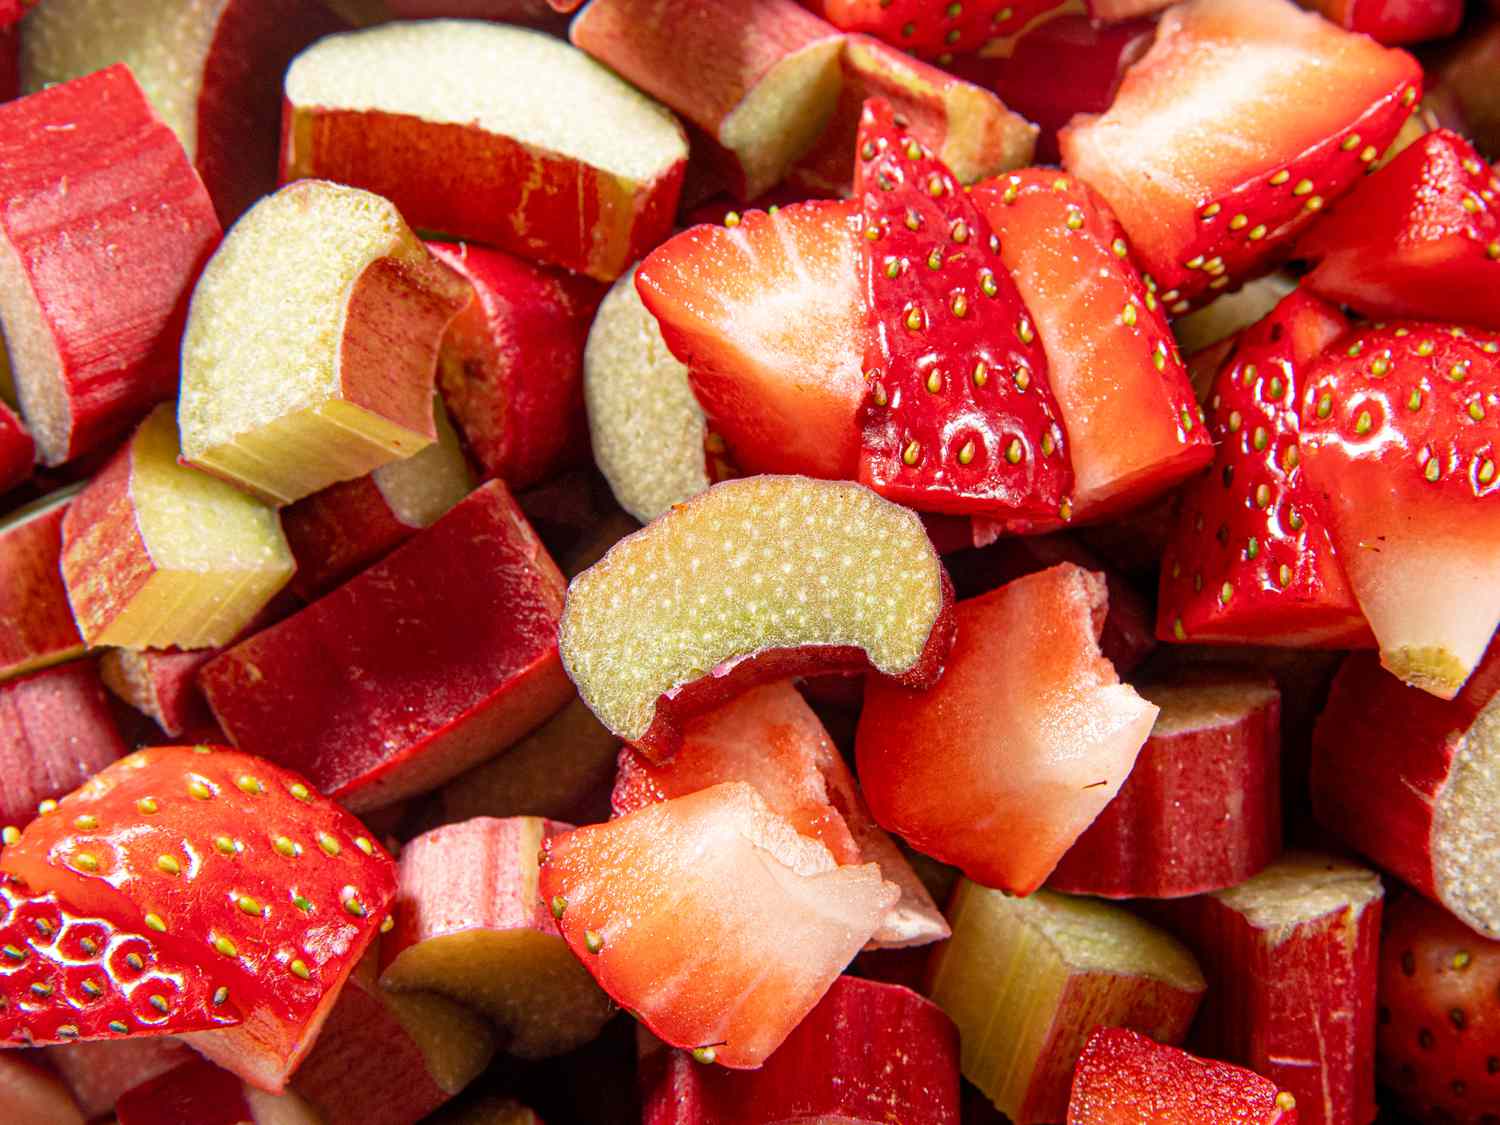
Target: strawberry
<point>936,29</point>
<point>1401,21</point>
<point>1112,362</point>
<point>711,918</point>
<point>1399,443</point>
<point>1419,238</point>
<point>237,869</point>
<point>959,416</point>
<point>1250,560</point>
<point>766,314</point>
<point>1244,120</point>
<point>1438,1037</point>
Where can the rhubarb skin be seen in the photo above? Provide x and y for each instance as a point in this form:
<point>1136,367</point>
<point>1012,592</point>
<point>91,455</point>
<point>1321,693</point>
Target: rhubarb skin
<point>765,99</point>
<point>511,365</point>
<point>161,684</point>
<point>868,1054</point>
<point>32,1095</point>
<point>36,623</point>
<point>17,450</point>
<point>203,1094</point>
<point>438,656</point>
<point>1201,810</point>
<point>1291,958</point>
<point>103,230</point>
<point>99,1071</point>
<point>56,731</point>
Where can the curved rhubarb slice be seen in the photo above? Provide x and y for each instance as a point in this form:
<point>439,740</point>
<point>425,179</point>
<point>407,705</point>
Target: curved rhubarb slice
<point>284,407</point>
<point>1400,428</point>
<point>706,602</point>
<point>1250,560</point>
<point>1201,809</point>
<point>1027,979</point>
<point>868,1054</point>
<point>39,626</point>
<point>648,431</point>
<point>591,184</point>
<point>771,739</point>
<point>1029,734</point>
<point>233,867</point>
<point>711,918</point>
<point>1124,1078</point>
<point>470,925</point>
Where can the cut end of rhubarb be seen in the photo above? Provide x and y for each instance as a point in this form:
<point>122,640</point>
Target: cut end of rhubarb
<point>421,489</point>
<point>647,429</point>
<point>1201,707</point>
<point>1300,887</point>
<point>750,566</point>
<point>1465,849</point>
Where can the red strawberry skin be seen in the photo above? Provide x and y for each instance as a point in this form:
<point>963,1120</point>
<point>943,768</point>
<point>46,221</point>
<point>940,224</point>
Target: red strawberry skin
<point>1250,561</point>
<point>1402,21</point>
<point>1420,238</point>
<point>933,30</point>
<point>1439,1033</point>
<point>959,416</point>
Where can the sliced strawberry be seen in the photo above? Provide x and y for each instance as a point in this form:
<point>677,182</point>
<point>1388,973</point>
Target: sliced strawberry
<point>1250,561</point>
<point>935,29</point>
<point>1241,123</point>
<point>766,314</point>
<point>238,871</point>
<point>1419,238</point>
<point>959,416</point>
<point>711,918</point>
<point>1134,427</point>
<point>1399,441</point>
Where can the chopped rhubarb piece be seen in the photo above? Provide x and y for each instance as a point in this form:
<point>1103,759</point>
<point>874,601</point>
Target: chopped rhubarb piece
<point>39,628</point>
<point>107,206</point>
<point>17,450</point>
<point>1201,810</point>
<point>1225,141</point>
<point>590,184</point>
<point>1393,21</point>
<point>204,1094</point>
<point>234,867</point>
<point>967,126</point>
<point>1047,734</point>
<point>770,738</point>
<point>1463,81</point>
<point>56,730</point>
<point>651,639</point>
<point>1399,431</point>
<point>939,31</point>
<point>1410,781</point>
<point>1124,1078</point>
<point>1419,238</point>
<point>959,416</point>
<point>648,432</point>
<point>767,315</point>
<point>470,925</point>
<point>1111,360</point>
<point>511,368</point>
<point>770,91</point>
<point>388,1058</point>
<point>1027,979</point>
<point>1250,560</point>
<point>161,684</point>
<point>285,408</point>
<point>100,1070</point>
<point>711,918</point>
<point>1225,317</point>
<point>1290,958</point>
<point>339,531</point>
<point>869,1053</point>
<point>397,682</point>
<point>30,1094</point>
<point>213,72</point>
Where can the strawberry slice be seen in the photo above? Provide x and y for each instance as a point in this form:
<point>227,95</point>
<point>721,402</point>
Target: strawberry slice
<point>1112,362</point>
<point>766,314</point>
<point>959,416</point>
<point>711,918</point>
<point>1250,561</point>
<point>1244,120</point>
<point>237,869</point>
<point>1419,238</point>
<point>1399,441</point>
<point>936,29</point>
<point>66,978</point>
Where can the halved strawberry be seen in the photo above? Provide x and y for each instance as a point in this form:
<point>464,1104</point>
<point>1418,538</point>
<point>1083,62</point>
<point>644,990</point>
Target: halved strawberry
<point>1400,428</point>
<point>1134,427</point>
<point>1419,238</point>
<point>937,29</point>
<point>959,416</point>
<point>766,314</point>
<point>711,918</point>
<point>1250,561</point>
<point>1244,120</point>
<point>237,869</point>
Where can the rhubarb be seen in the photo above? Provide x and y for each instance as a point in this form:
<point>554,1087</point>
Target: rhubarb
<point>38,628</point>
